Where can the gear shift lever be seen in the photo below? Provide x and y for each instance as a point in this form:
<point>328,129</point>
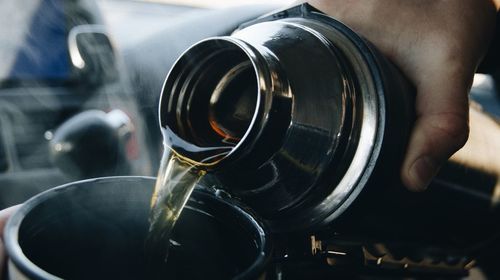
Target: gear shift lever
<point>92,144</point>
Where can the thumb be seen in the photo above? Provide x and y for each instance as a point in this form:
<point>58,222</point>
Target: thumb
<point>441,127</point>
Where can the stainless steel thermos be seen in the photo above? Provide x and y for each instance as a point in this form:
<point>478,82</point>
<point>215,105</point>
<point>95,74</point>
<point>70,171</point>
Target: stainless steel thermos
<point>313,109</point>
<point>317,121</point>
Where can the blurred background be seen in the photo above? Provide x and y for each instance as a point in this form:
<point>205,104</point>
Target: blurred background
<point>80,82</point>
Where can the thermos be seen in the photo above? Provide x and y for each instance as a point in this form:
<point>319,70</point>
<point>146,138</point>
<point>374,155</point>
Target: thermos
<point>317,122</point>
<point>314,108</point>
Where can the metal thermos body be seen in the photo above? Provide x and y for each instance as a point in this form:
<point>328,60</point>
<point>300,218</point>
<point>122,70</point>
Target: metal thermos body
<point>327,123</point>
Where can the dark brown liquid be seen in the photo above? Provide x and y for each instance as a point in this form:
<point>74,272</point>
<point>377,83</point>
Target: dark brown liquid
<point>176,179</point>
<point>175,182</point>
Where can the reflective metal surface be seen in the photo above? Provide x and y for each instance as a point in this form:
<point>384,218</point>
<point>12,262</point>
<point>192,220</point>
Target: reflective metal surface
<point>322,106</point>
<point>95,229</point>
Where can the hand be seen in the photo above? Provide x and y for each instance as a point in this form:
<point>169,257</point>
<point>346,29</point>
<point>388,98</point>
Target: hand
<point>438,45</point>
<point>4,215</point>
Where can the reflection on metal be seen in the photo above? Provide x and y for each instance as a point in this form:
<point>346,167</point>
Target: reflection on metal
<point>426,265</point>
<point>336,253</point>
<point>393,259</point>
<point>317,114</point>
<point>315,245</point>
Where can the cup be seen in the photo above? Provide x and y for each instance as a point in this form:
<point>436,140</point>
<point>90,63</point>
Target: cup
<point>95,229</point>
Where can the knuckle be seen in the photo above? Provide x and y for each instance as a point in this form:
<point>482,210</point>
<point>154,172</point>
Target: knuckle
<point>451,127</point>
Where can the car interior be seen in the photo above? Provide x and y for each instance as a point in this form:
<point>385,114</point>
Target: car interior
<point>80,83</point>
<point>103,97</point>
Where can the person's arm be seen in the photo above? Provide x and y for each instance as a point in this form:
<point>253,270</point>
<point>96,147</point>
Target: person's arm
<point>438,45</point>
<point>4,215</point>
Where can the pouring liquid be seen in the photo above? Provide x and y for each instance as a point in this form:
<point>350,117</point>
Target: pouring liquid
<point>213,131</point>
<point>176,180</point>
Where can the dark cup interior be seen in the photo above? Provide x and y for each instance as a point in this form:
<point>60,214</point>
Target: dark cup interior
<point>96,230</point>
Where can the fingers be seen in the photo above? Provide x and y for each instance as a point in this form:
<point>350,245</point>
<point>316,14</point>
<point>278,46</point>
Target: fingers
<point>441,127</point>
<point>4,215</point>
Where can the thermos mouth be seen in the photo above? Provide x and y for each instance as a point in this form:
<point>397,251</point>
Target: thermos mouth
<point>212,99</point>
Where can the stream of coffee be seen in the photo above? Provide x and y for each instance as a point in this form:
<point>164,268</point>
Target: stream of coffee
<point>176,179</point>
<point>228,115</point>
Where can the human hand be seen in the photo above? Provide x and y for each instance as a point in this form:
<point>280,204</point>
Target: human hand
<point>438,45</point>
<point>4,215</point>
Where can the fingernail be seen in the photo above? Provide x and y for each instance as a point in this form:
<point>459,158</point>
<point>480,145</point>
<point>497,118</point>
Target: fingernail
<point>422,171</point>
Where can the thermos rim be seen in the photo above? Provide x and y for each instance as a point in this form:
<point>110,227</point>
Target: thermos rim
<point>260,110</point>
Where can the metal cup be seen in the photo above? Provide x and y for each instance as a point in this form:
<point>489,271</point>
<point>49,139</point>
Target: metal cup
<point>95,229</point>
